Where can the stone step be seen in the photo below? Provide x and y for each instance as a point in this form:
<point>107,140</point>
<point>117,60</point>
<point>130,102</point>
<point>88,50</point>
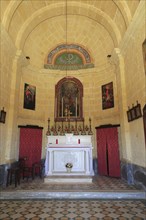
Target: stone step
<point>134,195</point>
<point>68,179</point>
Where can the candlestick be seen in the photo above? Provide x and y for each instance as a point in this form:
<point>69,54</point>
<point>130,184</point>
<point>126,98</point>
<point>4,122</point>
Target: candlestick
<point>83,131</point>
<point>90,131</point>
<point>76,131</point>
<point>76,106</point>
<point>48,132</point>
<point>55,131</point>
<point>62,131</point>
<point>68,125</point>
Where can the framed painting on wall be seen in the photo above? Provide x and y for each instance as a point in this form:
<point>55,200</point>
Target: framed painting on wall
<point>69,100</point>
<point>107,96</point>
<point>138,111</point>
<point>2,116</point>
<point>133,113</point>
<point>29,96</point>
<point>129,117</point>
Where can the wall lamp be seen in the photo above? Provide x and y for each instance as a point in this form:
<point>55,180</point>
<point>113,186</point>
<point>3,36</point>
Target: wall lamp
<point>28,58</point>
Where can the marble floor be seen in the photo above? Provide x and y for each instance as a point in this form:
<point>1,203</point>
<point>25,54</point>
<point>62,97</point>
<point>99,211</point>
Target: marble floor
<point>99,183</point>
<point>72,208</point>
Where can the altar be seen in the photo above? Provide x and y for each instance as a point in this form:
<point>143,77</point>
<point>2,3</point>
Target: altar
<point>69,155</point>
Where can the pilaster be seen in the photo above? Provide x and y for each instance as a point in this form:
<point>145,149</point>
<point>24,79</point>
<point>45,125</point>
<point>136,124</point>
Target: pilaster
<point>118,61</point>
<point>11,143</point>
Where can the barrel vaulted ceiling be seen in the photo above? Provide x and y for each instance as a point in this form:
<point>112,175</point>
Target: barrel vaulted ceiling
<point>38,26</point>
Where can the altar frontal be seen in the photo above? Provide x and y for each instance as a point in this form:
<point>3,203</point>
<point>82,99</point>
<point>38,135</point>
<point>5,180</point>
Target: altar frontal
<point>69,155</point>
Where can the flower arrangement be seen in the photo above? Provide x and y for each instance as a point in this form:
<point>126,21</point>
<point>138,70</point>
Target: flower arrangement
<point>69,165</point>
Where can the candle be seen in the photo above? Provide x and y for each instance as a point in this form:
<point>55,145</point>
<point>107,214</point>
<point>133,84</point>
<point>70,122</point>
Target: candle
<point>76,106</point>
<point>56,107</point>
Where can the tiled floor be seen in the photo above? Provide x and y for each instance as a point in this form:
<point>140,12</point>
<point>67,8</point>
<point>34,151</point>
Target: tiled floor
<point>98,183</point>
<point>72,209</point>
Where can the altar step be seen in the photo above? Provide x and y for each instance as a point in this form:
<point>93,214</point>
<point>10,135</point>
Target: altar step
<point>99,188</point>
<point>68,179</point>
<point>129,194</point>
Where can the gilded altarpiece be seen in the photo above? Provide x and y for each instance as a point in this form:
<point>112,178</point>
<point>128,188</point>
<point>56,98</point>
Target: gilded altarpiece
<point>68,100</point>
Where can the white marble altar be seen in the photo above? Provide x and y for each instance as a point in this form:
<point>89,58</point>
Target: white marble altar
<point>74,149</point>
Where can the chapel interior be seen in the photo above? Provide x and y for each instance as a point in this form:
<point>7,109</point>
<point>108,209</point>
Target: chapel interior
<point>74,67</point>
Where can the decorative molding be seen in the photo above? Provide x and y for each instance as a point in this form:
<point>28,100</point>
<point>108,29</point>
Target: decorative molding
<point>68,67</point>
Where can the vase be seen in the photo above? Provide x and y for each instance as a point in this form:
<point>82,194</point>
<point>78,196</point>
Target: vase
<point>68,169</point>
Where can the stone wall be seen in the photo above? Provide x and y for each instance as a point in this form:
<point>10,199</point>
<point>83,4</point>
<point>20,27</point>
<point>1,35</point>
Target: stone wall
<point>133,174</point>
<point>7,53</point>
<point>135,86</point>
<point>45,81</point>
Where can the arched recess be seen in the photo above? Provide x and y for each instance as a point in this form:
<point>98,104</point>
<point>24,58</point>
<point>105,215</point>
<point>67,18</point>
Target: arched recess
<point>69,100</point>
<point>68,56</point>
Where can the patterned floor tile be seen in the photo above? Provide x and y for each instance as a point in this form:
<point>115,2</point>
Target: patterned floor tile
<point>75,210</point>
<point>98,183</point>
<point>72,209</point>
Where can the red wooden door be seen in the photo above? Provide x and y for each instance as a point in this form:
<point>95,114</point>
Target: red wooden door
<point>30,144</point>
<point>108,152</point>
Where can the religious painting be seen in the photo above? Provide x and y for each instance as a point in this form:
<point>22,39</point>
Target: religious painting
<point>107,96</point>
<point>29,96</point>
<point>144,121</point>
<point>69,99</point>
<point>144,54</point>
<point>138,110</point>
<point>133,113</point>
<point>68,57</point>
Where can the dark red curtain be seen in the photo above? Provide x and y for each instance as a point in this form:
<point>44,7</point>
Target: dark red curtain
<point>30,144</point>
<point>108,152</point>
<point>101,152</point>
<point>113,152</point>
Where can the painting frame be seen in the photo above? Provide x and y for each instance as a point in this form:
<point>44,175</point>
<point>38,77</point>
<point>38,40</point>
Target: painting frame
<point>29,96</point>
<point>129,117</point>
<point>2,116</point>
<point>133,113</point>
<point>107,96</point>
<point>138,111</point>
<point>68,100</point>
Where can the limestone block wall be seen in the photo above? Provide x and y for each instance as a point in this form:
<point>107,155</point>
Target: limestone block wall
<point>135,79</point>
<point>45,81</point>
<point>8,51</point>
